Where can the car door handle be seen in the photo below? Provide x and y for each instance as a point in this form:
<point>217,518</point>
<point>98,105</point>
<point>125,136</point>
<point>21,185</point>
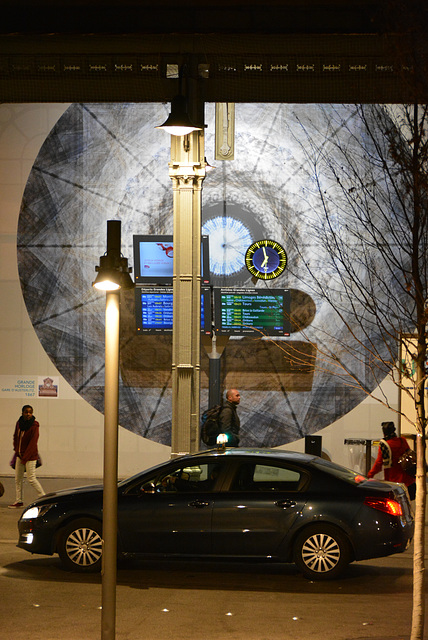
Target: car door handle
<point>285,504</point>
<point>199,504</point>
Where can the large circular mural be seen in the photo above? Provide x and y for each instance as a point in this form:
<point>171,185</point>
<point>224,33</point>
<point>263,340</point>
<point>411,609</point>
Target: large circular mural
<point>106,161</point>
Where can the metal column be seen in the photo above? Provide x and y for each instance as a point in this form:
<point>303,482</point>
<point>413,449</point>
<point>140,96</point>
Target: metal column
<point>187,172</point>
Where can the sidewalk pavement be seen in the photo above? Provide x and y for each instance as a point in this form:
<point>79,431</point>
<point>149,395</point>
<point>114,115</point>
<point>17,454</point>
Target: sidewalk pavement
<point>196,600</point>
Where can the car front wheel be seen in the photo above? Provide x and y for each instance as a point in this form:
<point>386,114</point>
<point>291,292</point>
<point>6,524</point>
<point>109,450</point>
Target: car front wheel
<point>80,546</point>
<point>322,552</point>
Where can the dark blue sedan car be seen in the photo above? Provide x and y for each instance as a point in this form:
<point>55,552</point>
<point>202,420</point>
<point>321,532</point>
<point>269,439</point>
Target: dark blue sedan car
<point>242,504</point>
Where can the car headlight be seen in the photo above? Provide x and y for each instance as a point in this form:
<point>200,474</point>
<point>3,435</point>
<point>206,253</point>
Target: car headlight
<point>35,512</point>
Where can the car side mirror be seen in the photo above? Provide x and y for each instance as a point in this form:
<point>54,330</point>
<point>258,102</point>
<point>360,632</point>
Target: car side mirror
<point>150,487</point>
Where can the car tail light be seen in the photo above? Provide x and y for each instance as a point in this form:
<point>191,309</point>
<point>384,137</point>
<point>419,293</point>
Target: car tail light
<point>387,505</point>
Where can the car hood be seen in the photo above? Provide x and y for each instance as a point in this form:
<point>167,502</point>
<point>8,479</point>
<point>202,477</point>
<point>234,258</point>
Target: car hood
<point>65,494</point>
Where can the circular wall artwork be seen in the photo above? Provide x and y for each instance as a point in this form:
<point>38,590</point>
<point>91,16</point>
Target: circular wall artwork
<point>107,161</point>
<point>228,239</point>
<point>231,228</point>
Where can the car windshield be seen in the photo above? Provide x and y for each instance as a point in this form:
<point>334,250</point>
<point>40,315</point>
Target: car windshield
<point>129,480</point>
<point>338,471</point>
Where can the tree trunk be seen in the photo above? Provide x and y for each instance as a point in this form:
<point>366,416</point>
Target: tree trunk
<point>419,226</point>
<point>418,612</point>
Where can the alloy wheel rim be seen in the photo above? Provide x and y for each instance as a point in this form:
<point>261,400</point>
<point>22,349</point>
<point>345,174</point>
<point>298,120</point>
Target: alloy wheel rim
<point>321,553</point>
<point>84,547</point>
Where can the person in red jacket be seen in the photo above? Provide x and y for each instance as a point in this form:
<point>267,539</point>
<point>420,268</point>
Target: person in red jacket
<point>390,449</point>
<point>25,440</point>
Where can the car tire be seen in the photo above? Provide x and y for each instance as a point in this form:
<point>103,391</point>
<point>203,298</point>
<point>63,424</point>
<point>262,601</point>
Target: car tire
<point>322,552</point>
<point>80,546</point>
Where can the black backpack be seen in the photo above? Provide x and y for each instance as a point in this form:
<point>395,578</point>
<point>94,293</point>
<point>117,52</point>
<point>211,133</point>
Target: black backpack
<point>210,425</point>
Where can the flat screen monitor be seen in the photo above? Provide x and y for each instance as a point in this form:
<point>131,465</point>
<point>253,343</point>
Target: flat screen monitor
<point>153,259</point>
<point>250,311</point>
<point>154,307</point>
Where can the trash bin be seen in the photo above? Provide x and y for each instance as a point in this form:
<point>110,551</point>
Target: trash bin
<point>360,454</point>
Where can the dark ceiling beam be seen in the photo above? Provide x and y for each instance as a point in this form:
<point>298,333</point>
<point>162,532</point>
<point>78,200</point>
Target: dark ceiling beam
<point>255,51</point>
<point>300,68</point>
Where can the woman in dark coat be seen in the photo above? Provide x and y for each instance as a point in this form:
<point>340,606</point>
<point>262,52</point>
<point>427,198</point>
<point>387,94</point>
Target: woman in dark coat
<point>25,440</point>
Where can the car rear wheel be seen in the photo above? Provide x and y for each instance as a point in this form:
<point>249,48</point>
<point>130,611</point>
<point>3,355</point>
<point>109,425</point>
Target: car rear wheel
<point>80,546</point>
<point>322,552</point>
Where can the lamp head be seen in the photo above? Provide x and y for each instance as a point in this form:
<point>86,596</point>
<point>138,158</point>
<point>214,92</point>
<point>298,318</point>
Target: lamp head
<point>113,273</point>
<point>178,122</point>
<point>106,281</point>
<point>108,277</point>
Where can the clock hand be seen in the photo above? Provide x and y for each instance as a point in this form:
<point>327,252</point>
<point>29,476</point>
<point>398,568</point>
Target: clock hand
<point>266,258</point>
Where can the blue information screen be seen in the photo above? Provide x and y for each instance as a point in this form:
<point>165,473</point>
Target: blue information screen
<point>154,310</point>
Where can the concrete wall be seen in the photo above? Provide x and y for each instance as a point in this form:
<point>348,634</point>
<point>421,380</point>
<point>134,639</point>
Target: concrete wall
<point>71,435</point>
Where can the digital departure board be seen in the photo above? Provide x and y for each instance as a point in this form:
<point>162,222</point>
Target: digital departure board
<point>249,311</point>
<point>154,310</point>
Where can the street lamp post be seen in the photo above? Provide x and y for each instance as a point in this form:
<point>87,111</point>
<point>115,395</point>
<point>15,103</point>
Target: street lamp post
<point>111,420</point>
<point>113,274</point>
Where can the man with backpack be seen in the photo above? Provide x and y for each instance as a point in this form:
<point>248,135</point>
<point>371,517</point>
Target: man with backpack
<point>229,419</point>
<point>222,419</point>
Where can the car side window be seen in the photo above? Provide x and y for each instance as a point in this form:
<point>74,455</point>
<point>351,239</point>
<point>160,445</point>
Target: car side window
<point>199,478</point>
<point>265,477</point>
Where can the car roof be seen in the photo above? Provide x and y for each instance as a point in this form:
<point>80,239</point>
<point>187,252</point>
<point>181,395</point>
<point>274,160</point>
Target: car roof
<point>277,454</point>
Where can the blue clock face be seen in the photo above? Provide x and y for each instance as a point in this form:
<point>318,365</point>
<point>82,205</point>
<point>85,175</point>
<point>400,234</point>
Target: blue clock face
<point>265,259</point>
